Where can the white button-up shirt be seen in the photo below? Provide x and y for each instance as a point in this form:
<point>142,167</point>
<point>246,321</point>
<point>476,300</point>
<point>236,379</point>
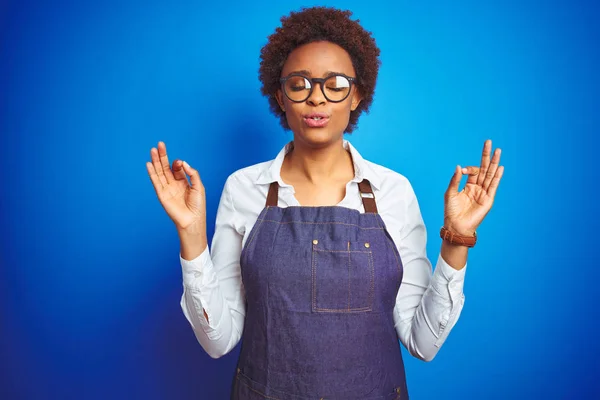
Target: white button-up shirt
<point>427,305</point>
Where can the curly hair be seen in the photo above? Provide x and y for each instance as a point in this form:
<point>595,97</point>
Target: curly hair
<point>320,24</point>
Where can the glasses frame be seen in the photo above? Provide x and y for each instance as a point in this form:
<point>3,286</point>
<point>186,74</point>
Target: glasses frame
<point>314,81</point>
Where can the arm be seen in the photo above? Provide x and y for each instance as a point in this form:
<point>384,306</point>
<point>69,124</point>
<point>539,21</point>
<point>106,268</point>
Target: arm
<point>427,307</point>
<point>213,294</point>
<point>424,323</point>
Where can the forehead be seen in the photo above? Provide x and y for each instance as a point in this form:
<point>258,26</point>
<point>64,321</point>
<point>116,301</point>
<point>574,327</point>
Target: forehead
<point>319,58</point>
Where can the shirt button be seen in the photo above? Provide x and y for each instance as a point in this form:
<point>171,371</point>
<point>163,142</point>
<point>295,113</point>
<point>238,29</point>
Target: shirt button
<point>367,245</point>
<point>315,241</point>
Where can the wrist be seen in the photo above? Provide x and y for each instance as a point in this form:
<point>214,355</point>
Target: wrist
<point>454,255</point>
<point>458,230</point>
<point>190,251</point>
<point>192,244</point>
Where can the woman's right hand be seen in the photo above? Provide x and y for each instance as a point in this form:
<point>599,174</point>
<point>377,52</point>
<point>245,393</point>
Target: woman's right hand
<point>184,203</point>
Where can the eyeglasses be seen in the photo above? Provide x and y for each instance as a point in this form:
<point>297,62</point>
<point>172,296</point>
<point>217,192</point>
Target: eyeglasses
<point>335,88</point>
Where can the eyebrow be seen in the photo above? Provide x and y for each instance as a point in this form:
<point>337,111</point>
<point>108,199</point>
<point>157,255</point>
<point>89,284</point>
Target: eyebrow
<point>327,74</point>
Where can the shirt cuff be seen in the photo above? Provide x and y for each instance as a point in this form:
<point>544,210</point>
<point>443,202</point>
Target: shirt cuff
<point>196,272</point>
<point>449,283</point>
<point>449,280</point>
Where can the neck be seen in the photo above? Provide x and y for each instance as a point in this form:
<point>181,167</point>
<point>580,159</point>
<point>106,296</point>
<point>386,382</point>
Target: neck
<point>320,164</point>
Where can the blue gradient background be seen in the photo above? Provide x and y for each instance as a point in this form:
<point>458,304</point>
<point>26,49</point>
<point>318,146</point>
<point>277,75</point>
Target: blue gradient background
<point>91,280</point>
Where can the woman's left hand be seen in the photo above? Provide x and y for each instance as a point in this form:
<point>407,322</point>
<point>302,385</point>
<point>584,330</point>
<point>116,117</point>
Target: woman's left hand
<point>464,210</point>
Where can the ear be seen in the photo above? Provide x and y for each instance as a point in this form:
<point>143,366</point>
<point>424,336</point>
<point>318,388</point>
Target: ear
<point>356,99</point>
<point>279,97</point>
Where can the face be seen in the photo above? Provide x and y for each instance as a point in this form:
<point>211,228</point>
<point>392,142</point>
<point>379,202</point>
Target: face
<point>317,121</point>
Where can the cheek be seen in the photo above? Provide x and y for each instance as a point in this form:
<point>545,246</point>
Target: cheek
<point>343,111</point>
<point>293,114</point>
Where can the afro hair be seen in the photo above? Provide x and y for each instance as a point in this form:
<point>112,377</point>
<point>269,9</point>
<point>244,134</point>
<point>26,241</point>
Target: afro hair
<point>313,25</point>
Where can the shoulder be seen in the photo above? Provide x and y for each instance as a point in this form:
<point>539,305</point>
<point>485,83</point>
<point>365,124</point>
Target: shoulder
<point>246,190</point>
<point>396,199</point>
<point>383,179</point>
<point>248,176</point>
<point>394,193</point>
<point>389,181</point>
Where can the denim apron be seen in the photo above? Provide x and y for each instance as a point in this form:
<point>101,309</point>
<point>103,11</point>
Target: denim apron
<point>321,285</point>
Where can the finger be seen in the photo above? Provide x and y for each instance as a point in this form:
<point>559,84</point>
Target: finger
<point>495,182</point>
<point>455,181</point>
<point>473,172</point>
<point>485,161</point>
<point>164,161</point>
<point>158,167</point>
<point>158,186</point>
<point>178,172</point>
<point>194,176</point>
<point>491,172</point>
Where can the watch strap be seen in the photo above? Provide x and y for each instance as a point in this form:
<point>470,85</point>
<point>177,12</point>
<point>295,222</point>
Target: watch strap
<point>454,238</point>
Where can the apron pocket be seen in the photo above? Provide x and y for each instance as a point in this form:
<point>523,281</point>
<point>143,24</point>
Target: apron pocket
<point>343,277</point>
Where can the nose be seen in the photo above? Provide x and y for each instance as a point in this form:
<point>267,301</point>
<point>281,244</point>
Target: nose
<point>317,97</point>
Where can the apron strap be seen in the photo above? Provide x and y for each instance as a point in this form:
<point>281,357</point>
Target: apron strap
<point>366,193</point>
<point>368,198</point>
<point>273,195</point>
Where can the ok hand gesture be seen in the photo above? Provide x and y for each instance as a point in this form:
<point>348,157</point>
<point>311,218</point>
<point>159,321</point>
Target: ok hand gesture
<point>184,203</point>
<point>465,210</point>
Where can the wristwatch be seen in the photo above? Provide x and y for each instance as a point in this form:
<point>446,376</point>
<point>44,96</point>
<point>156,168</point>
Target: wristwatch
<point>454,238</point>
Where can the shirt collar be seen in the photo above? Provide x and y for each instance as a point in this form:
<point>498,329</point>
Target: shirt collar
<point>362,170</point>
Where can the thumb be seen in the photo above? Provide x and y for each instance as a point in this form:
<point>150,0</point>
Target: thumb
<point>194,176</point>
<point>455,181</point>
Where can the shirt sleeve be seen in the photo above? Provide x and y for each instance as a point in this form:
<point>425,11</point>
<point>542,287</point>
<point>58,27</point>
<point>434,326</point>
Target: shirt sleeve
<point>213,283</point>
<point>427,307</point>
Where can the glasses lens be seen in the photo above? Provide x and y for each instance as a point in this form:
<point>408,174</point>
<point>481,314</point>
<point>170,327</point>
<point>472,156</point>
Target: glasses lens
<point>337,88</point>
<point>297,88</point>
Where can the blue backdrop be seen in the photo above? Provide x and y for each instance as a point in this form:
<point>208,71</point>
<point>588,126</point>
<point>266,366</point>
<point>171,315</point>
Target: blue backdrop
<point>91,281</point>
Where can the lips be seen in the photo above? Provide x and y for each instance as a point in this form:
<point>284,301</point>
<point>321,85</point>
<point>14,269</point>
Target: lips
<point>316,120</point>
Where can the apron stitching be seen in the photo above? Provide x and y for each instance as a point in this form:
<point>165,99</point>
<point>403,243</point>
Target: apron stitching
<point>255,232</point>
<point>316,308</point>
<point>394,248</point>
<point>395,256</point>
<point>372,279</point>
<point>256,391</point>
<point>343,251</point>
<point>314,277</point>
<point>318,223</point>
<point>343,310</point>
<point>349,290</point>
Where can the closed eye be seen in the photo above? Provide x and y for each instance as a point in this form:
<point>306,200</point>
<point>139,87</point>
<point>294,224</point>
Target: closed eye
<point>298,88</point>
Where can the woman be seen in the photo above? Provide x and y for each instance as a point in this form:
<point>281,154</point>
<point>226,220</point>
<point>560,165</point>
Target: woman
<point>319,256</point>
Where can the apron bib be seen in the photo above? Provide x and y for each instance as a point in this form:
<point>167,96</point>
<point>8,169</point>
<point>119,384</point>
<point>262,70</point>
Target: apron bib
<point>321,286</point>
